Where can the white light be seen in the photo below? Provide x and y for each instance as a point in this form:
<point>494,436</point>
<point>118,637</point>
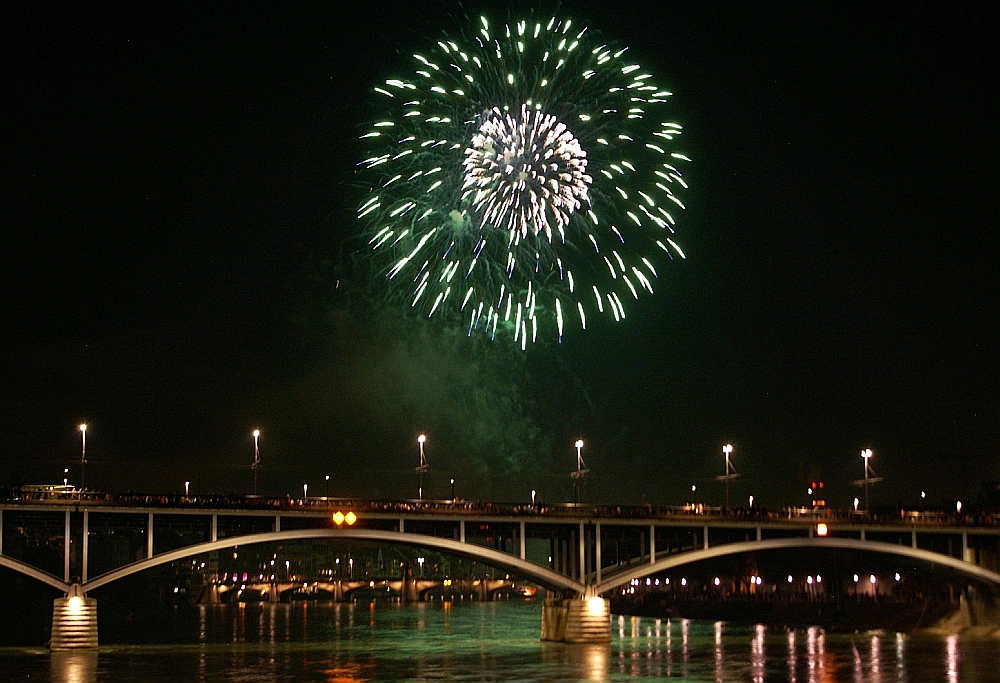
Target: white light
<point>897,576</point>
<point>789,578</point>
<point>856,578</point>
<point>717,581</point>
<point>872,579</point>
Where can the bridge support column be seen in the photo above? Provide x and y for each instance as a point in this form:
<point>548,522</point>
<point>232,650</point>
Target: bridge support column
<point>74,621</point>
<point>577,620</point>
<point>273,594</point>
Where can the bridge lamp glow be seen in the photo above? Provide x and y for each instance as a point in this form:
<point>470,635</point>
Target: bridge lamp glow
<point>595,605</point>
<point>350,518</point>
<point>75,603</point>
<point>338,517</point>
<point>822,529</point>
<point>872,579</point>
<point>958,506</point>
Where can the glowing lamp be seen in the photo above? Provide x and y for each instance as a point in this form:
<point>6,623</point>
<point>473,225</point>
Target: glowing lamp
<point>350,518</point>
<point>338,517</point>
<point>821,529</point>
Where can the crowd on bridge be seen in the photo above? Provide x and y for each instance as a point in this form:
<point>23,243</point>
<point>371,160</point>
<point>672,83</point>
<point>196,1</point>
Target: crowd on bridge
<point>61,495</point>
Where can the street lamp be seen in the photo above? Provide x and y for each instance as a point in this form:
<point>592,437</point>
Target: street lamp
<point>186,485</point>
<point>420,561</point>
<point>453,489</point>
<point>305,490</point>
<point>256,458</point>
<point>422,468</point>
<point>532,497</point>
<point>328,486</point>
<point>83,454</point>
<point>870,477</point>
<point>581,469</point>
<point>731,472</point>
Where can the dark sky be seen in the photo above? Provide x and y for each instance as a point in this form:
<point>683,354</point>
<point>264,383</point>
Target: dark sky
<point>178,206</point>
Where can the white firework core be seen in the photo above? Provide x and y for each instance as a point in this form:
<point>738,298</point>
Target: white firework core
<point>525,174</point>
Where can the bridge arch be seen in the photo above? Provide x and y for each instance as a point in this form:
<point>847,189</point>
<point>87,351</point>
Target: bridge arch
<point>34,573</point>
<point>543,576</point>
<point>967,569</point>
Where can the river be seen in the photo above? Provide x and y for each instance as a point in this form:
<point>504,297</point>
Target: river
<point>472,641</point>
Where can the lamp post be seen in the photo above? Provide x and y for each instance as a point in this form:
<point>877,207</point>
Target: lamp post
<point>422,467</point>
<point>328,486</point>
<point>870,477</point>
<point>731,472</point>
<point>187,484</point>
<point>83,454</point>
<point>453,489</point>
<point>581,469</point>
<point>256,458</point>
<point>305,490</point>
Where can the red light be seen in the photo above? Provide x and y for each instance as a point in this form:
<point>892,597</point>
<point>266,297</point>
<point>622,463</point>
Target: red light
<point>821,484</point>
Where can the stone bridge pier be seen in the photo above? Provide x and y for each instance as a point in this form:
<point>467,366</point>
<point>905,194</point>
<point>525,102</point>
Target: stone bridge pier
<point>74,621</point>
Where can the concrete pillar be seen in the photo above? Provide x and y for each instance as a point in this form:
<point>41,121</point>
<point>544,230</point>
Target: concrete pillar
<point>1,531</point>
<point>74,621</point>
<point>86,546</point>
<point>583,555</point>
<point>597,551</point>
<point>273,594</point>
<point>705,542</point>
<point>759,535</point>
<point>652,544</point>
<point>461,529</point>
<point>215,528</point>
<point>66,550</point>
<point>553,620</point>
<point>913,538</point>
<point>577,620</point>
<point>862,534</point>
<point>277,522</point>
<point>482,591</point>
<point>523,542</point>
<point>149,536</point>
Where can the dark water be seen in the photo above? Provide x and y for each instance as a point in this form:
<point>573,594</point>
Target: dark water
<point>482,642</point>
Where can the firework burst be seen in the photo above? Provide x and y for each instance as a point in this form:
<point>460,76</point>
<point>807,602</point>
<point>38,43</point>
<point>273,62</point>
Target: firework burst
<point>523,177</point>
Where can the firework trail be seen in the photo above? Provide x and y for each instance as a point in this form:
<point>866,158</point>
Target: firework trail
<point>523,177</point>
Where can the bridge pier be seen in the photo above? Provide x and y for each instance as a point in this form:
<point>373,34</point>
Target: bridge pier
<point>576,620</point>
<point>74,621</point>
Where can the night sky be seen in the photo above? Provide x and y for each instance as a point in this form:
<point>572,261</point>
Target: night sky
<point>180,262</point>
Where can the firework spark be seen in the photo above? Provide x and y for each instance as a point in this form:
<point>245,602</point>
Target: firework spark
<point>522,177</point>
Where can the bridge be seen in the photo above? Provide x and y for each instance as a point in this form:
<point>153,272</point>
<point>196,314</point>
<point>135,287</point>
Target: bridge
<point>577,553</point>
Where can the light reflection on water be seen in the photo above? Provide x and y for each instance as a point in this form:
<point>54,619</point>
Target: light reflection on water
<point>489,642</point>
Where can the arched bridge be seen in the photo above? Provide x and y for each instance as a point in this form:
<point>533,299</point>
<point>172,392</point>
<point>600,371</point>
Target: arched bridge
<point>570,550</point>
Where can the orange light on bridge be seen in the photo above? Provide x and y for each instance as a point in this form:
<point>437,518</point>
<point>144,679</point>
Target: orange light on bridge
<point>339,518</point>
<point>821,529</point>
